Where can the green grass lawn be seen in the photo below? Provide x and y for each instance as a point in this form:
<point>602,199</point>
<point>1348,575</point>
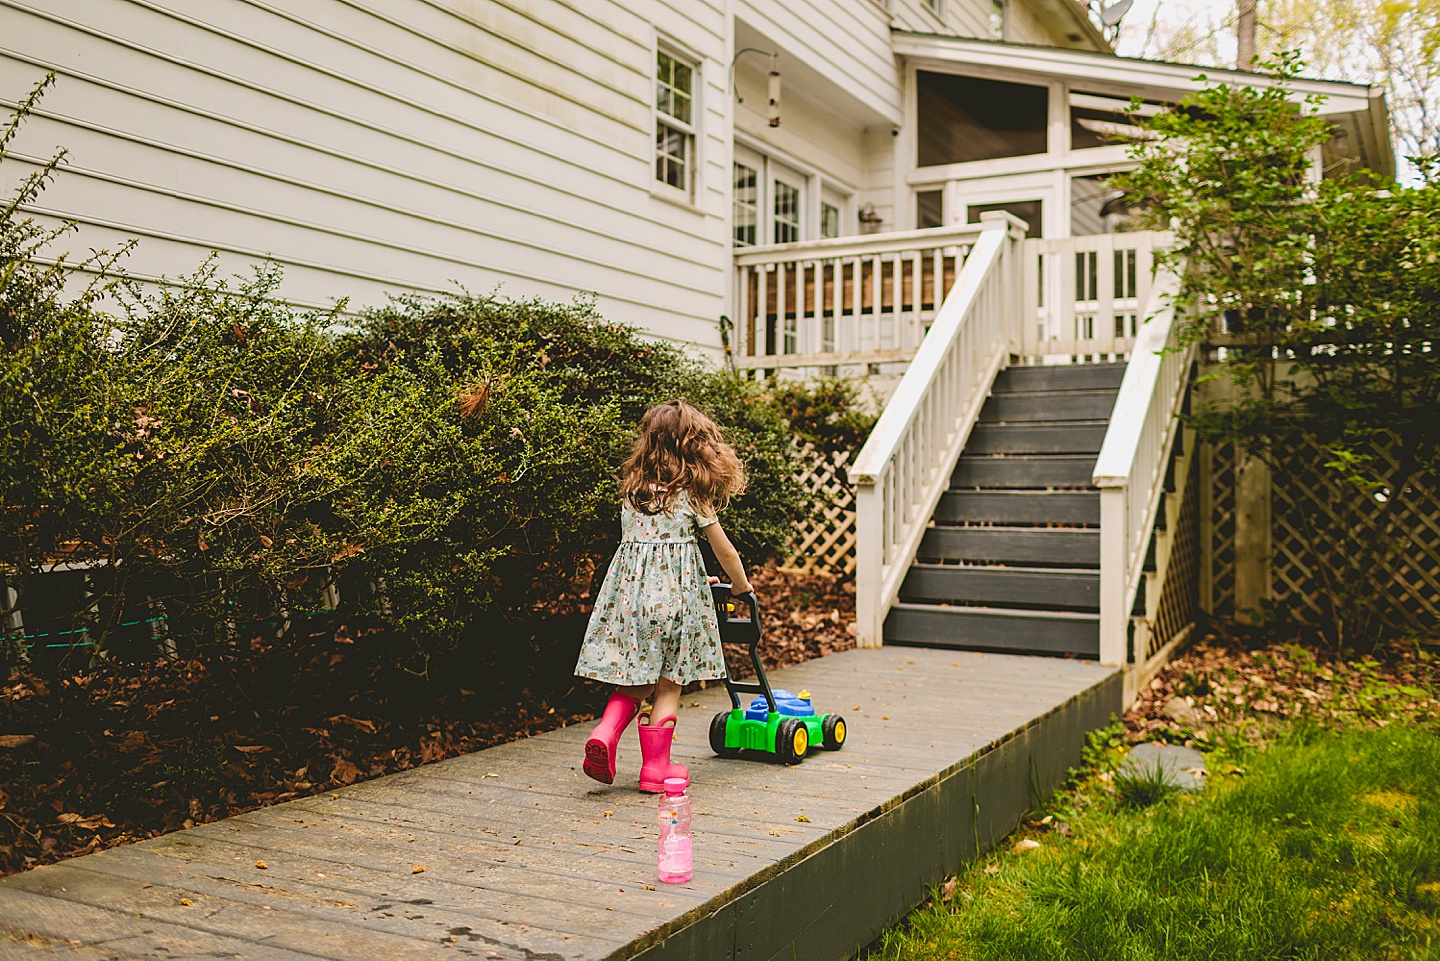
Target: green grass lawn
<point>1323,843</point>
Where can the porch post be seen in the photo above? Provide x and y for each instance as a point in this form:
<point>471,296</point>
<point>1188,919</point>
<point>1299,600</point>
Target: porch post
<point>1113,615</point>
<point>1252,536</point>
<point>869,563</point>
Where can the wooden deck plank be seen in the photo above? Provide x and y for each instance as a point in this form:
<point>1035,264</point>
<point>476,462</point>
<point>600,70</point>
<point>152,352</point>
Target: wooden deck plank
<point>128,933</point>
<point>943,749</point>
<point>317,885</point>
<point>362,925</point>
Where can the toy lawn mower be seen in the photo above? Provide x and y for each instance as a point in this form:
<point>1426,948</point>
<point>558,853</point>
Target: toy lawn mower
<point>776,722</point>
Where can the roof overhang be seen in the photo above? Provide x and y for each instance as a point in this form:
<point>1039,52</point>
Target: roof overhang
<point>1080,30</point>
<point>1357,110</point>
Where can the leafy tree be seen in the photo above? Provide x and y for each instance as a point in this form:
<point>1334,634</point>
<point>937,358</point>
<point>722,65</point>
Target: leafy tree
<point>1394,44</point>
<point>1326,295</point>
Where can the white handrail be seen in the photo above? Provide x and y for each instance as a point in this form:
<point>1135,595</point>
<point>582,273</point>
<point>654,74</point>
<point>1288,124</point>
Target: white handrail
<point>1130,470</point>
<point>850,302</point>
<point>905,465</point>
<point>898,241</point>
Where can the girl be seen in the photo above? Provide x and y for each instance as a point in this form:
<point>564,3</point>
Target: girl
<point>653,628</point>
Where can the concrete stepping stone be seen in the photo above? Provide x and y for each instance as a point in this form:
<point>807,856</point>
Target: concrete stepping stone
<point>1181,766</point>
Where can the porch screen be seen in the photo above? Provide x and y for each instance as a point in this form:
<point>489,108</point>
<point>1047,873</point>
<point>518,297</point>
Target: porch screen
<point>966,118</point>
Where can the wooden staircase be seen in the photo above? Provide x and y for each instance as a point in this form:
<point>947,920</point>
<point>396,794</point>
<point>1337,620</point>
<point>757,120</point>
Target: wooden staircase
<point>1011,559</point>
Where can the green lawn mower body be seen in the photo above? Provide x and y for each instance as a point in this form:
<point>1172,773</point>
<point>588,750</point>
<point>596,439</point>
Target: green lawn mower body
<point>777,723</point>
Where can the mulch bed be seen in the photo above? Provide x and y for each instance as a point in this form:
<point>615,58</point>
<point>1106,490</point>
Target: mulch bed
<point>1249,680</point>
<point>94,759</point>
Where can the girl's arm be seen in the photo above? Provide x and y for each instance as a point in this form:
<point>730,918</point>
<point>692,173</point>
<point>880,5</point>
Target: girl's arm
<point>729,559</point>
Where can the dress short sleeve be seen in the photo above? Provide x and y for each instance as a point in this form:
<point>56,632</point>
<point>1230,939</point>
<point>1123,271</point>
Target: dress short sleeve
<point>702,521</point>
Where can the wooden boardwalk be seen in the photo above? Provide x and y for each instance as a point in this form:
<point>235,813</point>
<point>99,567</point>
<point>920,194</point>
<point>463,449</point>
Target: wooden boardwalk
<point>512,853</point>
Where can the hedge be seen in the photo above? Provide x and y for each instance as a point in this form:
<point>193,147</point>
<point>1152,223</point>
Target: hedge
<point>208,446</point>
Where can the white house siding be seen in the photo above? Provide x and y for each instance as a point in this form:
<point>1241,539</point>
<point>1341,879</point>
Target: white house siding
<point>843,44</point>
<point>810,131</point>
<point>1025,21</point>
<point>378,146</point>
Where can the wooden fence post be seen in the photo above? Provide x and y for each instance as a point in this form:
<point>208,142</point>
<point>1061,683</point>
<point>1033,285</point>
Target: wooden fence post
<point>1252,536</point>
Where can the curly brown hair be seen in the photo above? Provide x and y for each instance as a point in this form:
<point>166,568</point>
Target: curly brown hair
<point>680,449</point>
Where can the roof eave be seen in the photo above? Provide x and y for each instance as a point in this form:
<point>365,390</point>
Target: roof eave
<point>1099,67</point>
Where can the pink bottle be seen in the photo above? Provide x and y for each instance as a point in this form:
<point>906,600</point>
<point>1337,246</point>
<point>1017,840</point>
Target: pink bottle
<point>677,851</point>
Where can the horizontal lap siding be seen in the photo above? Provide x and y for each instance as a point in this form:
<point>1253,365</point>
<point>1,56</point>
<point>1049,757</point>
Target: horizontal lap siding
<point>382,145</point>
<point>846,41</point>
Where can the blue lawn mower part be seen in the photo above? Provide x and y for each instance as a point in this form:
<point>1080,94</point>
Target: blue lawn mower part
<point>775,722</point>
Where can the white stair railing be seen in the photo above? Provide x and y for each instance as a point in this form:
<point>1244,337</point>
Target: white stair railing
<point>843,302</point>
<point>905,465</point>
<point>1134,456</point>
<point>1084,296</point>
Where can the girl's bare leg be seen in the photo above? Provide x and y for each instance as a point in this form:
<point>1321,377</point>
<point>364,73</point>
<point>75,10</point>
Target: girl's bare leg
<point>667,699</point>
<point>639,692</point>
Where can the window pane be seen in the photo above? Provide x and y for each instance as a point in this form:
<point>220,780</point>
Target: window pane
<point>1096,208</point>
<point>682,83</point>
<point>1027,210</point>
<point>673,92</point>
<point>829,220</point>
<point>745,213</point>
<point>929,208</point>
<point>787,213</point>
<point>966,118</point>
<point>672,156</point>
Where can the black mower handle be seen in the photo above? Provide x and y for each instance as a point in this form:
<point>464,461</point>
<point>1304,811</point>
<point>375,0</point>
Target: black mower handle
<point>761,685</point>
<point>752,602</point>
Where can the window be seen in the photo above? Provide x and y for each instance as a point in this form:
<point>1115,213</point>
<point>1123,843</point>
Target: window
<point>1099,120</point>
<point>1029,211</point>
<point>829,221</point>
<point>930,208</point>
<point>932,5</point>
<point>745,213</point>
<point>967,118</point>
<point>786,222</point>
<point>997,19</point>
<point>674,130</point>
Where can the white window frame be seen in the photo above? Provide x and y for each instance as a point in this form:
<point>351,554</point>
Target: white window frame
<point>756,205</point>
<point>690,130</point>
<point>797,181</point>
<point>815,189</point>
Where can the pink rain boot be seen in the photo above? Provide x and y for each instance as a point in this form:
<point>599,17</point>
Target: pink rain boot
<point>600,749</point>
<point>656,766</point>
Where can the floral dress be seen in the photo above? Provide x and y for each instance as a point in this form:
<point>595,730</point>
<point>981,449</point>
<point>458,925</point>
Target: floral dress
<point>654,616</point>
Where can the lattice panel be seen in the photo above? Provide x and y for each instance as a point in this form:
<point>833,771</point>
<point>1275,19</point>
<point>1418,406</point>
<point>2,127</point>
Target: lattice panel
<point>1346,521</point>
<point>1180,596</point>
<point>1223,462</point>
<point>825,544</point>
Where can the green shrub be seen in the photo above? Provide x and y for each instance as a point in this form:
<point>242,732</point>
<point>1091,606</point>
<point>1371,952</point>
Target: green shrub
<point>207,445</point>
<point>827,412</point>
<point>531,476</point>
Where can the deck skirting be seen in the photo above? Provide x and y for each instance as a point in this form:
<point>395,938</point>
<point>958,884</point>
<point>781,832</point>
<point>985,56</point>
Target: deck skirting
<point>828,903</point>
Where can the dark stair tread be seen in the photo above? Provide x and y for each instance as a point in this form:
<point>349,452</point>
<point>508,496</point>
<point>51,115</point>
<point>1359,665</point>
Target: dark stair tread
<point>1051,377</point>
<point>994,629</point>
<point>1023,471</point>
<point>1019,507</point>
<point>1069,437</point>
<point>1012,545</point>
<point>1033,588</point>
<point>1048,406</point>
